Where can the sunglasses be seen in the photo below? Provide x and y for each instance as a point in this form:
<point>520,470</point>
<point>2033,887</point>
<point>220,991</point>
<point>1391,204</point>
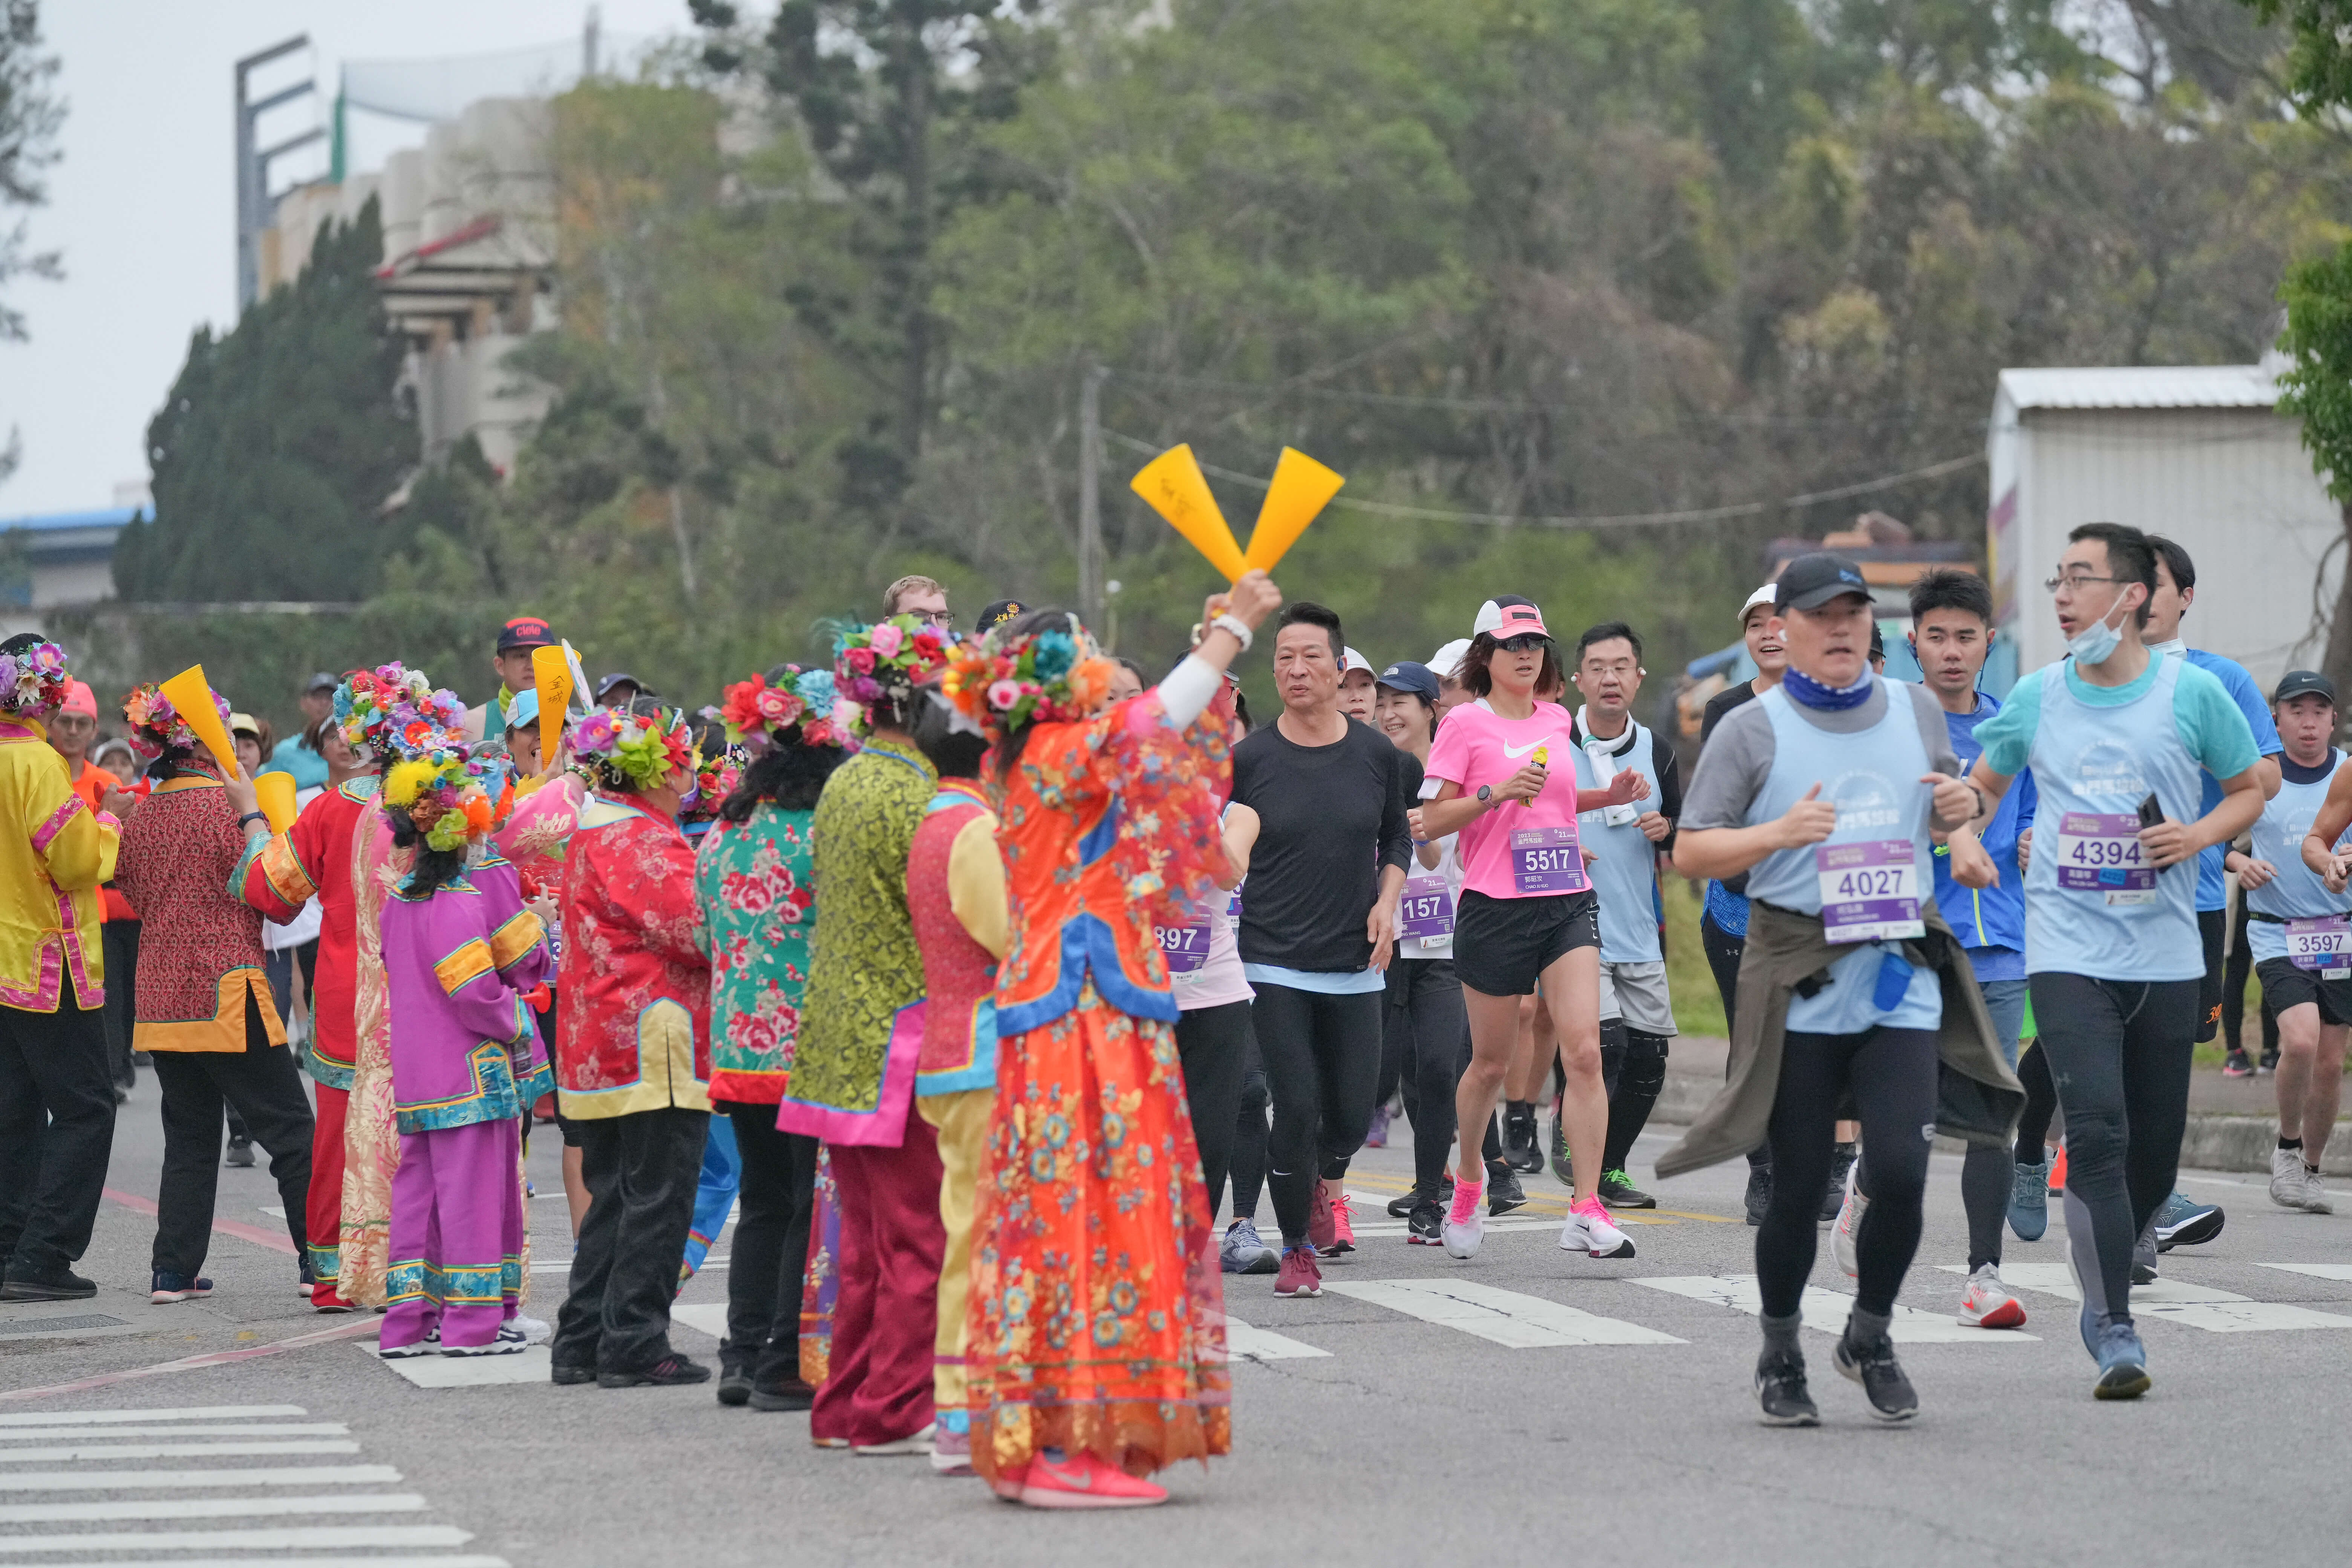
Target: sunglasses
<point>1524,642</point>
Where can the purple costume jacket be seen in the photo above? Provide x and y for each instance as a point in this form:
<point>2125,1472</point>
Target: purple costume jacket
<point>464,1046</point>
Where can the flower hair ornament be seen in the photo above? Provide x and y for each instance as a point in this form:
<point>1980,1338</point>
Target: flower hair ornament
<point>715,779</point>
<point>886,663</point>
<point>632,751</point>
<point>1001,681</point>
<point>156,726</point>
<point>802,707</point>
<point>393,711</point>
<point>33,680</point>
<point>453,800</point>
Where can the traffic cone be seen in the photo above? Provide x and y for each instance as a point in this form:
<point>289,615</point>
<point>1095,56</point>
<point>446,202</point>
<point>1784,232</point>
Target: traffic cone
<point>2058,1172</point>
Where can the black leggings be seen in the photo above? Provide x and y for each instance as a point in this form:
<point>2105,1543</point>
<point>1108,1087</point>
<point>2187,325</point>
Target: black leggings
<point>1634,1083</point>
<point>2040,1104</point>
<point>769,1251</point>
<point>2120,1054</point>
<point>1891,1076</point>
<point>2240,965</point>
<point>1428,1031</point>
<point>1322,1056</point>
<point>1214,1045</point>
<point>1249,1137</point>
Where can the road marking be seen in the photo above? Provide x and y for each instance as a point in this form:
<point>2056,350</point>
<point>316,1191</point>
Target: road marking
<point>189,1363</point>
<point>1503,1317</point>
<point>276,1240</point>
<point>206,1508</point>
<point>2178,1301</point>
<point>280,1540</point>
<point>162,1450</point>
<point>1542,1201</point>
<point>462,1559</point>
<point>1826,1310</point>
<point>254,1429</point>
<point>711,1319</point>
<point>192,1413</point>
<point>1247,1343</point>
<point>2316,1270</point>
<point>144,1479</point>
<point>1399,1228</point>
<point>530,1365</point>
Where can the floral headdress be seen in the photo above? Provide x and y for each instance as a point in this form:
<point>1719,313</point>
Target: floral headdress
<point>887,663</point>
<point>715,779</point>
<point>1001,681</point>
<point>453,799</point>
<point>393,711</point>
<point>33,680</point>
<point>632,751</point>
<point>156,726</point>
<point>802,707</point>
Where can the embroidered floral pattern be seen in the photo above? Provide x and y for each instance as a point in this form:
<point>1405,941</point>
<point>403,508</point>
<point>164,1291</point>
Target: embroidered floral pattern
<point>753,883</point>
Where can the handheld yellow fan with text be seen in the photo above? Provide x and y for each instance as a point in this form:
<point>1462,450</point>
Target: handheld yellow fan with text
<point>1172,486</point>
<point>192,698</point>
<point>551,672</point>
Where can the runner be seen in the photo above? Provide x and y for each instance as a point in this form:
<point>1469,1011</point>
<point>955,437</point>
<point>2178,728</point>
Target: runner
<point>1637,1014</point>
<point>1357,685</point>
<point>2297,909</point>
<point>2115,738</point>
<point>1826,792</point>
<point>511,661</point>
<point>1527,913</point>
<point>1321,801</point>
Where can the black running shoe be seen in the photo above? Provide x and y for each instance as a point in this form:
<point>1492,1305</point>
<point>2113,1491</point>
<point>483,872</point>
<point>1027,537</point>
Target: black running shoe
<point>1520,1147</point>
<point>1405,1202</point>
<point>559,1373</point>
<point>667,1372</point>
<point>64,1285</point>
<point>1424,1226</point>
<point>1618,1192</point>
<point>1892,1397</point>
<point>2270,1059</point>
<point>1760,1193</point>
<point>1503,1192</point>
<point>1780,1390</point>
<point>1833,1199</point>
<point>734,1377</point>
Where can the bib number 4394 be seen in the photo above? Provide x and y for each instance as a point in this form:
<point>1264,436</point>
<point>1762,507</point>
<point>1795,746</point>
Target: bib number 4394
<point>2101,854</point>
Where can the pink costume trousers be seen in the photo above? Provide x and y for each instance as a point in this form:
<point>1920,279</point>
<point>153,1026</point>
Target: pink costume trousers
<point>456,1235</point>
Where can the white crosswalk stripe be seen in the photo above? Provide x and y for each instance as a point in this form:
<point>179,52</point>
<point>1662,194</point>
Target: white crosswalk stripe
<point>43,1508</point>
<point>1243,1343</point>
<point>1504,1317</point>
<point>2171,1300</point>
<point>1826,1310</point>
<point>2342,1271</point>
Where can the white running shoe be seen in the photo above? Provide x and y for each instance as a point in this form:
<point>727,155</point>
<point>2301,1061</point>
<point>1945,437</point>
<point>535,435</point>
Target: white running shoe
<point>1465,1220</point>
<point>1590,1231</point>
<point>2287,1186</point>
<point>2314,1193</point>
<point>1849,1222</point>
<point>1986,1303</point>
<point>534,1331</point>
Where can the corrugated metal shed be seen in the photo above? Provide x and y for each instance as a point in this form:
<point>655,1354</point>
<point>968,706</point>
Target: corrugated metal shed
<point>2141,387</point>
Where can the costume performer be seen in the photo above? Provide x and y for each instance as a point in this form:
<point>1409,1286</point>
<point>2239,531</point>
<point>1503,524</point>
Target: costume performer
<point>632,1056</point>
<point>754,885</point>
<point>1095,1347</point>
<point>853,1075</point>
<point>459,949</point>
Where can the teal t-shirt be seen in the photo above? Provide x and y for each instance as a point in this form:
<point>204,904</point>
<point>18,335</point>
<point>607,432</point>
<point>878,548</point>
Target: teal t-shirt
<point>2212,729</point>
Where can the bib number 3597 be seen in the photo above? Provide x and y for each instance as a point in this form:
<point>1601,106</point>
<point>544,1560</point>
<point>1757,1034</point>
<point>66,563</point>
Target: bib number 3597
<point>2322,945</point>
<point>1869,892</point>
<point>1185,948</point>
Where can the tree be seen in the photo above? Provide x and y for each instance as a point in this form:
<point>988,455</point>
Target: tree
<point>30,116</point>
<point>279,444</point>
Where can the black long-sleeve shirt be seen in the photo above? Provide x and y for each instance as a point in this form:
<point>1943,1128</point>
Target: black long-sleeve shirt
<point>1330,819</point>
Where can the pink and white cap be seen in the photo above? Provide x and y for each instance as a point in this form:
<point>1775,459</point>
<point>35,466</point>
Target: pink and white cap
<point>1509,616</point>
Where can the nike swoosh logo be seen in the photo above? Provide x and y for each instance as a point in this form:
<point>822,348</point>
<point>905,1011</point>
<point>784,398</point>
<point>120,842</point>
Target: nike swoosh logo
<point>1516,752</point>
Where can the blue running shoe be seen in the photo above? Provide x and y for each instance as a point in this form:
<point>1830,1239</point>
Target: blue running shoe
<point>2029,1202</point>
<point>2123,1364</point>
<point>2181,1222</point>
<point>1243,1253</point>
<point>170,1287</point>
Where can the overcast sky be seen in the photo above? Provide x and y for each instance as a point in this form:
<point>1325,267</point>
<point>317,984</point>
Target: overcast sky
<point>144,202</point>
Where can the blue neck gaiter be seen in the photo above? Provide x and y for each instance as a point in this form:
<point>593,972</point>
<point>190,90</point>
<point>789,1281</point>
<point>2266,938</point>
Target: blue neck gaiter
<point>1811,693</point>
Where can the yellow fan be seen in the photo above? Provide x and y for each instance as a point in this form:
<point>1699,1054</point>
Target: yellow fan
<point>192,698</point>
<point>553,675</point>
<point>1301,489</point>
<point>1172,486</point>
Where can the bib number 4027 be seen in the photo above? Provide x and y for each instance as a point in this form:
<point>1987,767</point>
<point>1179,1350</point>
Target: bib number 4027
<point>1870,890</point>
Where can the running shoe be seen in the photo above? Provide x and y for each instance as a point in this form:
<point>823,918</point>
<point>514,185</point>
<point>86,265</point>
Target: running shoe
<point>912,1443</point>
<point>1838,1192</point>
<point>1424,1226</point>
<point>1563,1168</point>
<point>64,1285</point>
<point>2237,1064</point>
<point>305,1280</point>
<point>1520,1140</point>
<point>1244,1253</point>
<point>2123,1364</point>
<point>534,1331</point>
<point>1343,1227</point>
<point>2143,1263</point>
<point>429,1345</point>
<point>669,1372</point>
<point>2286,1178</point>
<point>952,1450</point>
<point>1300,1274</point>
<point>1082,1480</point>
<point>2029,1202</point>
<point>1760,1191</point>
<point>2314,1193</point>
<point>323,1299</point>
<point>1780,1390</point>
<point>734,1377</point>
<point>509,1341</point>
<point>1404,1202</point>
<point>2182,1221</point>
<point>240,1151</point>
<point>1590,1231</point>
<point>1874,1366</point>
<point>1618,1191</point>
<point>1986,1303</point>
<point>170,1287</point>
<point>1376,1136</point>
<point>1465,1226</point>
<point>1849,1224</point>
<point>2270,1059</point>
<point>1503,1192</point>
<point>2058,1173</point>
<point>1320,1229</point>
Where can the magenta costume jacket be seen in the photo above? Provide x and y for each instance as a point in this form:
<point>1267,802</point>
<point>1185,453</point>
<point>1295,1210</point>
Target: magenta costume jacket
<point>463,1048</point>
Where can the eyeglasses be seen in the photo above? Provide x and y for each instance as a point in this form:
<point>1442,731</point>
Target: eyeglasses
<point>2073,581</point>
<point>1524,642</point>
<point>940,618</point>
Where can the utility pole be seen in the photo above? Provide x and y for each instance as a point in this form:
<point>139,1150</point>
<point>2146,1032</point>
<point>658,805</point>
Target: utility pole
<point>1090,461</point>
<point>255,210</point>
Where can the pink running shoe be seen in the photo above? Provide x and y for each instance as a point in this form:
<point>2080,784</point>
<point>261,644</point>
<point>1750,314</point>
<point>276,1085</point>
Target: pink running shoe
<point>1321,1229</point>
<point>1343,1227</point>
<point>1466,1221</point>
<point>1082,1480</point>
<point>1300,1276</point>
<point>1590,1231</point>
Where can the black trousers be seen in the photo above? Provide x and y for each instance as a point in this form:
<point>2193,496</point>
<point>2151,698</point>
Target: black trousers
<point>2212,927</point>
<point>640,1171</point>
<point>770,1260</point>
<point>265,1087</point>
<point>2040,1104</point>
<point>1322,1056</point>
<point>2235,970</point>
<point>119,941</point>
<point>279,967</point>
<point>1428,1030</point>
<point>1249,1136</point>
<point>56,1133</point>
<point>1214,1045</point>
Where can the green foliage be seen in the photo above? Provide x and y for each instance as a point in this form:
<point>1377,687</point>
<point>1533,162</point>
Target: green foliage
<point>279,445</point>
<point>2317,389</point>
<point>2319,66</point>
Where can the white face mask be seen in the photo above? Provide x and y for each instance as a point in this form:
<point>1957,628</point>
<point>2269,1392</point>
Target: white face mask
<point>2096,643</point>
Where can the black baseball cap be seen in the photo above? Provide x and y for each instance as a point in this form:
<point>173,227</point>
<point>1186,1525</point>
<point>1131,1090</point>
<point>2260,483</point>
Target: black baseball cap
<point>2303,683</point>
<point>322,681</point>
<point>1000,611</point>
<point>621,678</point>
<point>1811,581</point>
<point>1406,675</point>
<point>525,631</point>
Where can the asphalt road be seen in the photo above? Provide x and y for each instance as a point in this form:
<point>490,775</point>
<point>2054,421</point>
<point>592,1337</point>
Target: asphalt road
<point>1454,1409</point>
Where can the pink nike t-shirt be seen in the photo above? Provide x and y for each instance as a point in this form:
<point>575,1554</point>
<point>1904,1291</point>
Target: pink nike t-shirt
<point>1520,849</point>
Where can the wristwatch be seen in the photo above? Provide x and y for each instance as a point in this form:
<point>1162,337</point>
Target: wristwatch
<point>253,816</point>
<point>1486,794</point>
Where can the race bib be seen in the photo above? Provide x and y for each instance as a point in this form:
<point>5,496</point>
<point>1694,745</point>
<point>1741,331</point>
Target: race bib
<point>2323,945</point>
<point>1185,947</point>
<point>1545,860</point>
<point>1870,890</point>
<point>1427,912</point>
<point>2103,855</point>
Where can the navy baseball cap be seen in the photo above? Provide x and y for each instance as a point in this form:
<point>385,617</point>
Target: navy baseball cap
<point>525,631</point>
<point>1406,675</point>
<point>1811,581</point>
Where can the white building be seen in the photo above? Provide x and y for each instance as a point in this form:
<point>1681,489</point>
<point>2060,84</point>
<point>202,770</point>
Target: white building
<point>2196,453</point>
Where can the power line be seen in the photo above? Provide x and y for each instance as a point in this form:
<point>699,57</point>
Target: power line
<point>1622,520</point>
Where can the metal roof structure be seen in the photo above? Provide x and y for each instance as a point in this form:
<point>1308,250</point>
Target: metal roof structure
<point>2141,387</point>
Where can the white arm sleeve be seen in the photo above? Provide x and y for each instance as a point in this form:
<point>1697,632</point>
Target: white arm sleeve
<point>1185,694</point>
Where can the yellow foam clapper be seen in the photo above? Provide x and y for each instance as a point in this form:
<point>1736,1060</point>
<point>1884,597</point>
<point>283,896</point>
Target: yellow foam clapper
<point>191,696</point>
<point>1171,484</point>
<point>551,673</point>
<point>1302,488</point>
<point>276,793</point>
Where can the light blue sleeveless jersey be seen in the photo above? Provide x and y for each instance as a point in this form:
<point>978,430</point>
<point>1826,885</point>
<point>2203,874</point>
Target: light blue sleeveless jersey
<point>2296,892</point>
<point>1623,863</point>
